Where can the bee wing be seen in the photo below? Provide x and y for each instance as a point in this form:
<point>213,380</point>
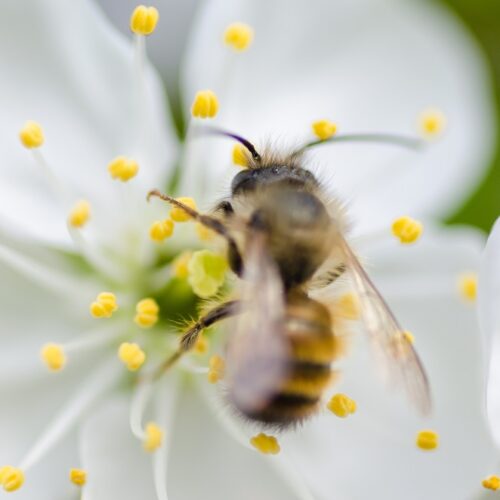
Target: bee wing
<point>257,352</point>
<point>396,351</point>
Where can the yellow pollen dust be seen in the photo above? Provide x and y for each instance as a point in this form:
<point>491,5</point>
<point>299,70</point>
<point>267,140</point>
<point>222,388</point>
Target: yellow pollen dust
<point>431,123</point>
<point>203,233</point>
<point>467,286</point>
<point>427,440</point>
<point>324,129</point>
<point>408,336</point>
<point>178,214</point>
<point>131,355</point>
<point>180,265</point>
<point>154,437</point>
<point>11,478</point>
<point>31,135</point>
<point>161,230</point>
<point>123,168</point>
<point>268,445</point>
<point>341,405</point>
<point>407,230</point>
<point>78,476</point>
<point>147,311</point>
<point>491,483</point>
<point>205,104</point>
<point>348,306</point>
<point>202,344</point>
<point>104,306</point>
<point>143,20</point>
<point>240,157</point>
<point>216,369</point>
<point>79,214</point>
<point>238,36</point>
<point>53,356</point>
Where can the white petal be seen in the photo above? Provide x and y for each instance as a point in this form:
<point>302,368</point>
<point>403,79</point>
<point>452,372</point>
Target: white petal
<point>489,317</point>
<point>367,65</point>
<point>351,456</point>
<point>73,73</point>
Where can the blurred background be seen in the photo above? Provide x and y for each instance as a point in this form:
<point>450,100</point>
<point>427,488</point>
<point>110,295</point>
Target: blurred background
<point>481,17</point>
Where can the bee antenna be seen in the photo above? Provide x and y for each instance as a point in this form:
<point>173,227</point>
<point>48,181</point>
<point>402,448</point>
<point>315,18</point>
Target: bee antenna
<point>394,139</point>
<point>207,130</point>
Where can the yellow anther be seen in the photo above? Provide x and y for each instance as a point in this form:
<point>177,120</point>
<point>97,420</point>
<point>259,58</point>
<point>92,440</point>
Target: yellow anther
<point>123,168</point>
<point>341,405</point>
<point>104,306</point>
<point>78,476</point>
<point>265,444</point>
<point>431,123</point>
<point>205,104</point>
<point>407,230</point>
<point>131,355</point>
<point>216,369</point>
<point>238,36</point>
<point>467,286</point>
<point>207,271</point>
<point>11,478</point>
<point>154,437</point>
<point>348,306</point>
<point>31,135</point>
<point>53,356</point>
<point>202,344</point>
<point>491,483</point>
<point>143,20</point>
<point>79,214</point>
<point>204,233</point>
<point>178,214</point>
<point>240,155</point>
<point>180,265</point>
<point>147,311</point>
<point>161,230</point>
<point>408,336</point>
<point>427,440</point>
<point>324,129</point>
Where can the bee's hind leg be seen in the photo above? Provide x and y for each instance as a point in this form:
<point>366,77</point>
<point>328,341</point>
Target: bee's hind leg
<point>190,336</point>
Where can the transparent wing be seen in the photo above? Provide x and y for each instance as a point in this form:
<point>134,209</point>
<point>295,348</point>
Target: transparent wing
<point>395,350</point>
<point>258,353</point>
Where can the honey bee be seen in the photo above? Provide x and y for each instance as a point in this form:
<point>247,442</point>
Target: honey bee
<point>286,240</point>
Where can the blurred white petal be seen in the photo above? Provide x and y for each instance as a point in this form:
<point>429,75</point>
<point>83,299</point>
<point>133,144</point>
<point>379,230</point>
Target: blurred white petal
<point>367,65</point>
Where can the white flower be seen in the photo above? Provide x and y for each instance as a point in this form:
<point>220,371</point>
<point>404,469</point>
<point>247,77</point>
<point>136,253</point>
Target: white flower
<point>72,73</point>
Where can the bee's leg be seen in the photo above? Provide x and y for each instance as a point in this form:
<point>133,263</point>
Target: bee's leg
<point>212,223</point>
<point>190,336</point>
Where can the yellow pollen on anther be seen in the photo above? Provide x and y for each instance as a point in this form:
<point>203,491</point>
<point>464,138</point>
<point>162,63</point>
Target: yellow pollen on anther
<point>203,233</point>
<point>491,483</point>
<point>238,36</point>
<point>79,214</point>
<point>268,445</point>
<point>205,104</point>
<point>147,311</point>
<point>161,230</point>
<point>31,135</point>
<point>341,405</point>
<point>427,440</point>
<point>348,306</point>
<point>216,369</point>
<point>201,345</point>
<point>53,356</point>
<point>467,286</point>
<point>324,129</point>
<point>407,230</point>
<point>131,355</point>
<point>154,437</point>
<point>240,156</point>
<point>11,478</point>
<point>104,306</point>
<point>78,476</point>
<point>123,168</point>
<point>180,265</point>
<point>178,214</point>
<point>143,20</point>
<point>431,123</point>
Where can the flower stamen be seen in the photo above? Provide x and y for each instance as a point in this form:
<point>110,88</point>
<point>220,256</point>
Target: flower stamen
<point>153,437</point>
<point>268,445</point>
<point>177,214</point>
<point>161,230</point>
<point>11,478</point>
<point>341,405</point>
<point>238,36</point>
<point>407,230</point>
<point>104,306</point>
<point>427,440</point>
<point>467,286</point>
<point>431,123</point>
<point>53,356</point>
<point>205,104</point>
<point>491,483</point>
<point>147,311</point>
<point>324,129</point>
<point>143,20</point>
<point>123,168</point>
<point>207,271</point>
<point>216,369</point>
<point>80,214</point>
<point>78,477</point>
<point>131,355</point>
